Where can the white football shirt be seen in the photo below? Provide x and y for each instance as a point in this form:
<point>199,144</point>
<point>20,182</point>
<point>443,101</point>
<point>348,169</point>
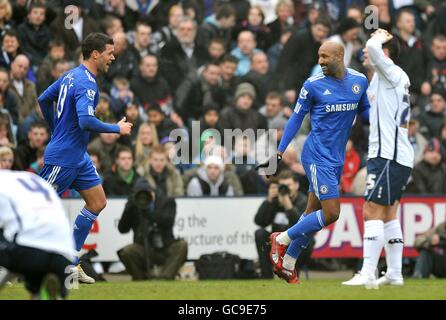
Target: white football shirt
<point>388,95</point>
<point>32,215</point>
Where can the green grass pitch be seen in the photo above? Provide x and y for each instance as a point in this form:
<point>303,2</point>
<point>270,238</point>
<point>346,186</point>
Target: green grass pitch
<point>323,289</point>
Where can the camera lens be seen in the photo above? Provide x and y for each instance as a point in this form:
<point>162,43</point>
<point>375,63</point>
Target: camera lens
<point>143,199</point>
<point>283,189</point>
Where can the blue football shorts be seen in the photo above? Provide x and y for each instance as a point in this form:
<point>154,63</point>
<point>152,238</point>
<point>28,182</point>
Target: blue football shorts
<point>323,180</point>
<point>63,178</point>
<point>386,181</point>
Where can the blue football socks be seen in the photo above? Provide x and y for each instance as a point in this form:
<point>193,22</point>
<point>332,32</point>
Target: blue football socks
<point>302,232</point>
<point>82,227</point>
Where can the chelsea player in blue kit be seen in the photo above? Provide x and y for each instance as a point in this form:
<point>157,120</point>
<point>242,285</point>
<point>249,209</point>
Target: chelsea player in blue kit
<point>68,106</point>
<point>334,99</point>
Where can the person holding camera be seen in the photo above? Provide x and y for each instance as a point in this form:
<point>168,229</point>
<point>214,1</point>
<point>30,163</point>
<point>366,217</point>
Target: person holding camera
<point>151,216</point>
<point>432,253</point>
<point>282,209</point>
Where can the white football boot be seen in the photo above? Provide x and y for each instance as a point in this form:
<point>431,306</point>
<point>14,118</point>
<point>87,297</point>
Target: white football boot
<point>81,275</point>
<point>360,280</point>
<point>385,280</point>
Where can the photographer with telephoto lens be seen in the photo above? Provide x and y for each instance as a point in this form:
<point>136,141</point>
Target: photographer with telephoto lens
<point>282,209</point>
<point>151,216</point>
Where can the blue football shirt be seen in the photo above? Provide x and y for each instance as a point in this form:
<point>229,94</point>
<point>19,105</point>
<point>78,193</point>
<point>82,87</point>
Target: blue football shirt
<point>76,93</point>
<point>333,105</point>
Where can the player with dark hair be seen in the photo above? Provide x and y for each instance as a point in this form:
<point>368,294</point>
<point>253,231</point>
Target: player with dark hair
<point>390,161</point>
<point>334,99</point>
<point>66,162</point>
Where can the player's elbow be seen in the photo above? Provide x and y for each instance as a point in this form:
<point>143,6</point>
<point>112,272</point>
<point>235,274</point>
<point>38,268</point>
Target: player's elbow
<point>42,101</point>
<point>83,123</point>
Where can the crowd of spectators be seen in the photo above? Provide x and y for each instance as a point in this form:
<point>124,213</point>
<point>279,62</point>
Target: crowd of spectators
<point>228,64</point>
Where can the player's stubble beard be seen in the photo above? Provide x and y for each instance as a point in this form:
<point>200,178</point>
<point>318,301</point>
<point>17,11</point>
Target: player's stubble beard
<point>333,68</point>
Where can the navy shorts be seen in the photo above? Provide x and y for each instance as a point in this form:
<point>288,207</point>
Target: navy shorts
<point>323,180</point>
<point>34,264</point>
<point>62,178</point>
<point>386,181</point>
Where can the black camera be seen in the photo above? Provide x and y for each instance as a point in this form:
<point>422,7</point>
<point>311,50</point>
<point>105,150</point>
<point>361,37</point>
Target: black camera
<point>143,199</point>
<point>284,190</point>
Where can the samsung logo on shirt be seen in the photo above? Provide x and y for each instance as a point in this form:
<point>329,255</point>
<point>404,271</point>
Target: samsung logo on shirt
<point>341,107</point>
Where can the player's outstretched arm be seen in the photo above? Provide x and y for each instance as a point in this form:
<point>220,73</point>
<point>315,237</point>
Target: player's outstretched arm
<point>294,123</point>
<point>92,123</point>
<point>85,95</point>
<point>292,127</point>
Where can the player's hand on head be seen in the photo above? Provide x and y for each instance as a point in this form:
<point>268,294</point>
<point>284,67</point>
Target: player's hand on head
<point>125,128</point>
<point>383,35</point>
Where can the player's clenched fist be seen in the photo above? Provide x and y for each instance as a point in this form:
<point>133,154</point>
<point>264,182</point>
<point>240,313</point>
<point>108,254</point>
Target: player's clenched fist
<point>125,128</point>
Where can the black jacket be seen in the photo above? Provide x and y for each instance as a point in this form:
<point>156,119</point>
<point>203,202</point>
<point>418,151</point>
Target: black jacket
<point>165,128</point>
<point>10,104</point>
<point>194,93</point>
<point>430,123</point>
<point>428,179</point>
<point>232,118</point>
<point>25,155</point>
<point>268,210</point>
<point>150,92</point>
<point>68,36</point>
<point>175,65</point>
<point>298,57</point>
<point>162,217</point>
<point>412,60</point>
<point>125,66</point>
<point>34,42</point>
<point>211,31</point>
<point>114,185</point>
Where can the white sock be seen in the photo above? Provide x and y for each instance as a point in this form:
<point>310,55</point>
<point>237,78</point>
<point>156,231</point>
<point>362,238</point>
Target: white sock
<point>283,238</point>
<point>289,262</point>
<point>373,245</point>
<point>394,249</point>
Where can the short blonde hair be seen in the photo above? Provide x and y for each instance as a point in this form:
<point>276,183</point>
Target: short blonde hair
<point>7,5</point>
<point>285,3</point>
<point>6,151</point>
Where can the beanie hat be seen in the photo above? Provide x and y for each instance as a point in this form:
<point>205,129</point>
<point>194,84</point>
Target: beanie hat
<point>215,160</point>
<point>245,88</point>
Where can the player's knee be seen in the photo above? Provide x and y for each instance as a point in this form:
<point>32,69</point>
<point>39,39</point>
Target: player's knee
<point>97,205</point>
<point>331,216</point>
<point>102,204</point>
<point>335,216</point>
<point>371,211</point>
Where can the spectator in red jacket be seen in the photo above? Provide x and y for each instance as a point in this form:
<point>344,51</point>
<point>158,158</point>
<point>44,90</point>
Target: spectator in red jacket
<point>351,167</point>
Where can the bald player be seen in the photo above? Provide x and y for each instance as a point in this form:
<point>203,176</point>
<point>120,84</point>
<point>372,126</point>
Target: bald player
<point>333,98</point>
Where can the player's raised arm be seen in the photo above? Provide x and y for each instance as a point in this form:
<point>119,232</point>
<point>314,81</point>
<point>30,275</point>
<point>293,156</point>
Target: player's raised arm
<point>382,63</point>
<point>46,102</point>
<point>294,123</point>
<point>84,97</point>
